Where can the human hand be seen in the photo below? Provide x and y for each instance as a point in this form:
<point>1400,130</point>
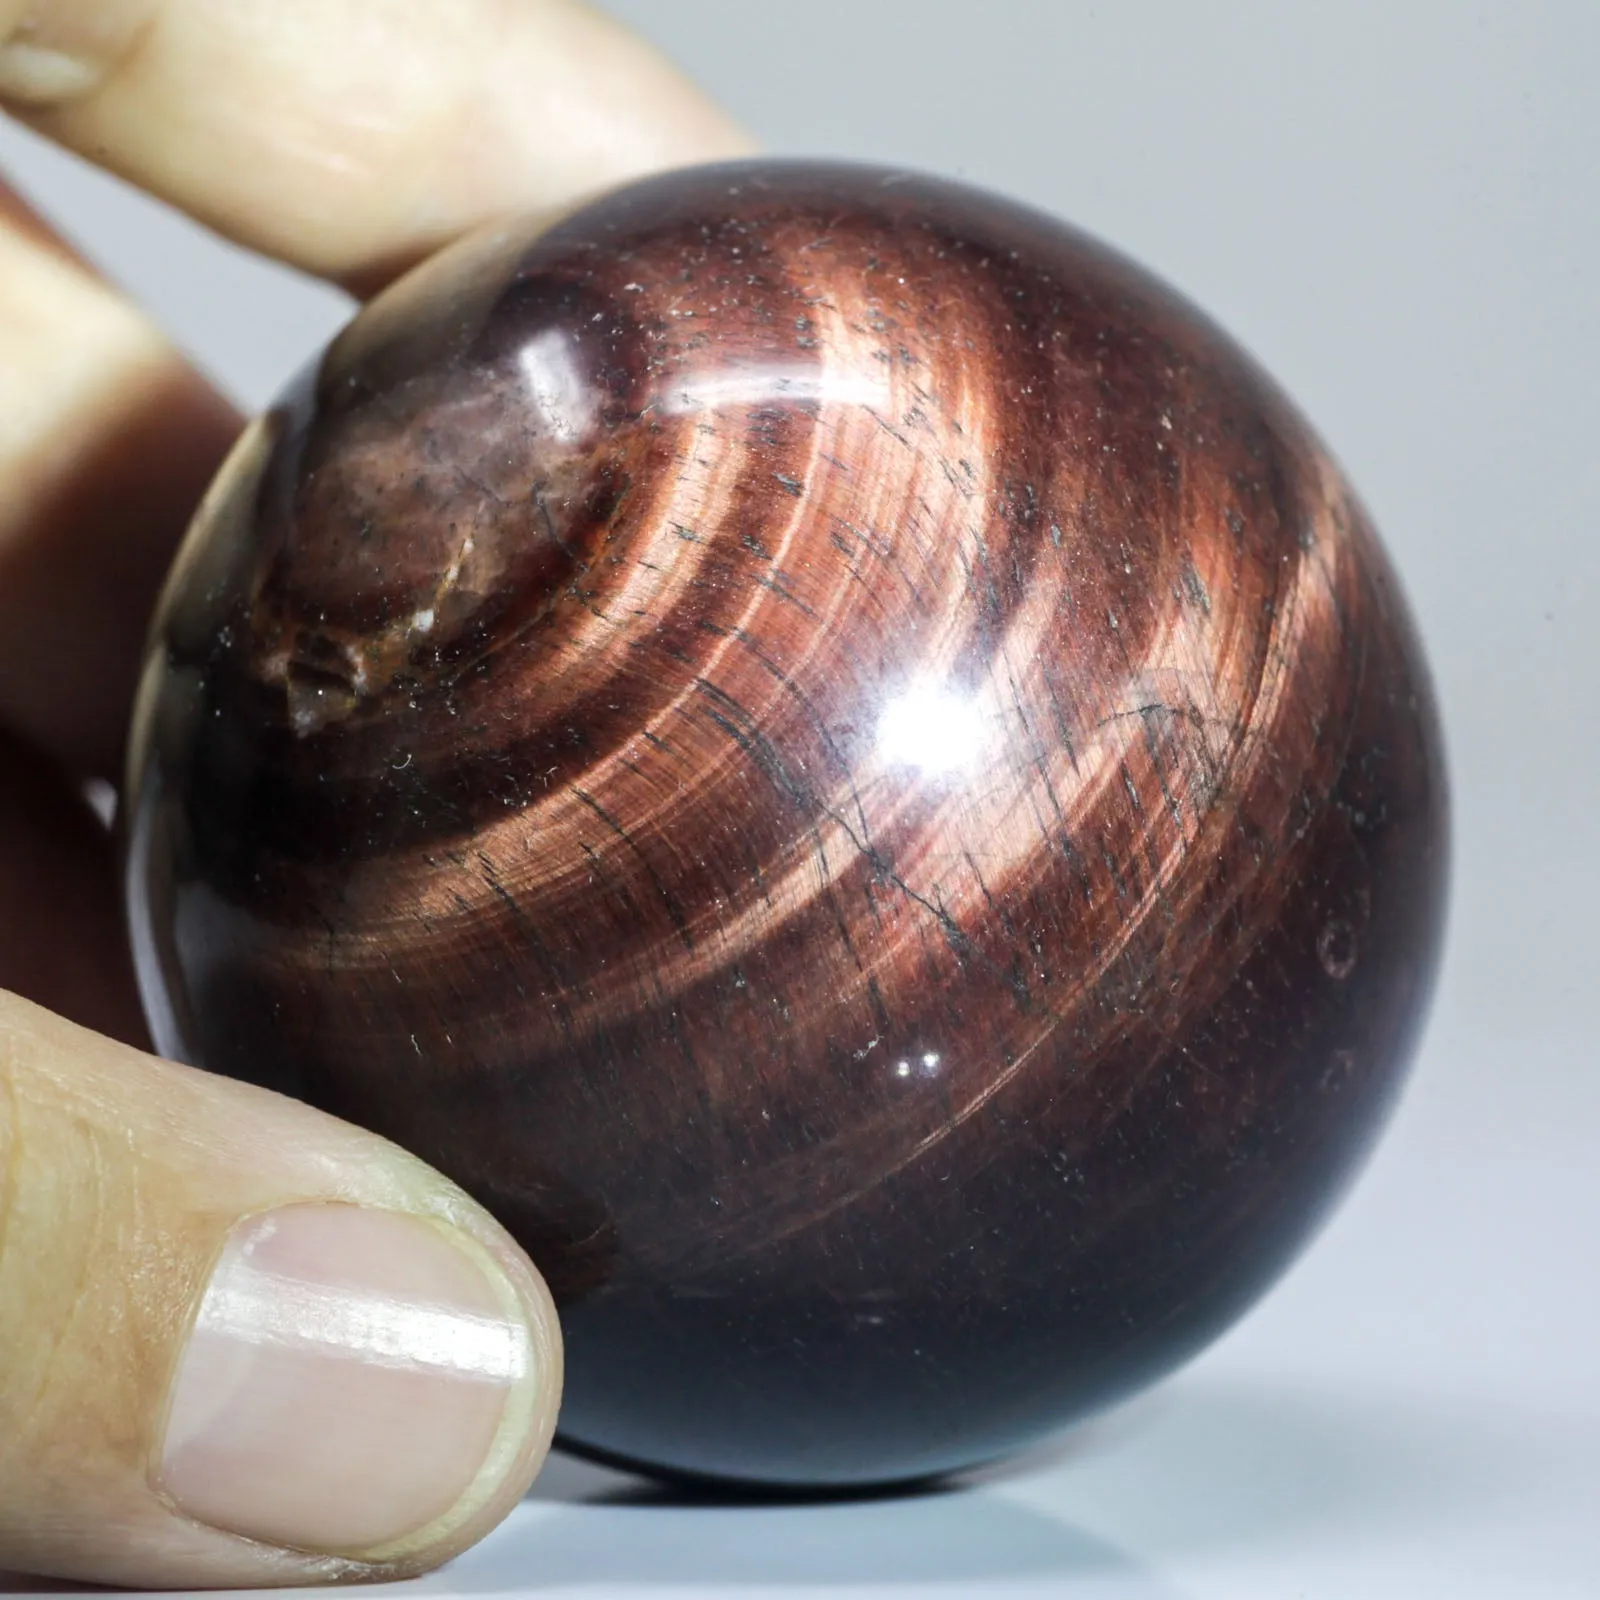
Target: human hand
<point>241,1343</point>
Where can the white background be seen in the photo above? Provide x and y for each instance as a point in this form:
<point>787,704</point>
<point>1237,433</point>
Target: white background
<point>1394,204</point>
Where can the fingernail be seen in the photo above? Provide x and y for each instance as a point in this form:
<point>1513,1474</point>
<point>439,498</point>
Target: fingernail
<point>348,1383</point>
<point>35,75</point>
<point>55,53</point>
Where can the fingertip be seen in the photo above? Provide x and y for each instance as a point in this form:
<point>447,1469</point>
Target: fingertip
<point>257,1346</point>
<point>351,138</point>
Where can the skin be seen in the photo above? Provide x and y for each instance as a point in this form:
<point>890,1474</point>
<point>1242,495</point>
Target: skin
<point>348,138</point>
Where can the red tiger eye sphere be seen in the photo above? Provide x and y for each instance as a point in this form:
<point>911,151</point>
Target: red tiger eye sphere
<point>844,761</point>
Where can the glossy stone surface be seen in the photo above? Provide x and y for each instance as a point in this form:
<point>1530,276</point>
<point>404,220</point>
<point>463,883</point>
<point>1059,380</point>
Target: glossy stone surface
<point>842,759</point>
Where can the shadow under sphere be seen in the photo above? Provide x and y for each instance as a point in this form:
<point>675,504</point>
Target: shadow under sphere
<point>842,759</point>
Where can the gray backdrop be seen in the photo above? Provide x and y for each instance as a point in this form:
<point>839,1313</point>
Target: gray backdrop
<point>1394,204</point>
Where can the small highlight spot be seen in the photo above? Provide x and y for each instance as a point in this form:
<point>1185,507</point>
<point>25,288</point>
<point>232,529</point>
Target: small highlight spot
<point>1336,949</point>
<point>931,727</point>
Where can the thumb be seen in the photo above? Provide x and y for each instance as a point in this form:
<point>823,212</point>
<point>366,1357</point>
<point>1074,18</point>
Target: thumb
<point>242,1343</point>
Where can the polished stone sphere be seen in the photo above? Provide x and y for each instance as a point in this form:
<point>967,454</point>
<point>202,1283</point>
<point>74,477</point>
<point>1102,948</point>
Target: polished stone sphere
<point>844,761</point>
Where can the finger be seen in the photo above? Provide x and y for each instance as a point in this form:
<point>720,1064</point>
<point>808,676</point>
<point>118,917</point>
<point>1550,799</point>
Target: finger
<point>107,439</point>
<point>354,136</point>
<point>243,1343</point>
<point>62,941</point>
